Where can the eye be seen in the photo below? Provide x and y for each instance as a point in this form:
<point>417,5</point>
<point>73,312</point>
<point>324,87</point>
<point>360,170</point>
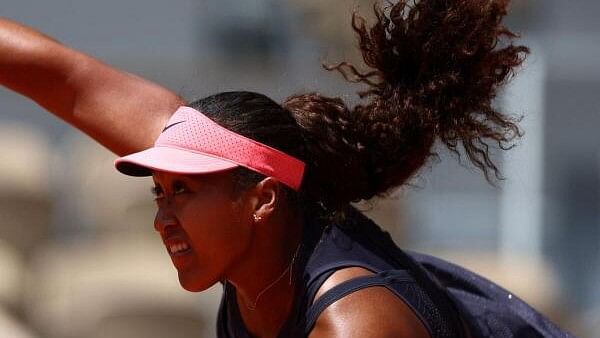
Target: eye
<point>157,192</point>
<point>179,188</point>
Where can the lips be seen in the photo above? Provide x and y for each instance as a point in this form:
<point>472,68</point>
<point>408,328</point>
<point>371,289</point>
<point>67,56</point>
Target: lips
<point>176,242</point>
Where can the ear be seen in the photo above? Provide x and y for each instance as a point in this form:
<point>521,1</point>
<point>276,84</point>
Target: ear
<point>266,198</point>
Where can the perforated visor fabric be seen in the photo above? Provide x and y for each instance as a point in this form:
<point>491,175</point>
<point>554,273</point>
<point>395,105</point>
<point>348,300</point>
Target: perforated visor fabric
<point>192,143</point>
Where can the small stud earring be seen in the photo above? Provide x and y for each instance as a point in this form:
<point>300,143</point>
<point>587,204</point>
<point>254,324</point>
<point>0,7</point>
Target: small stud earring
<point>256,218</point>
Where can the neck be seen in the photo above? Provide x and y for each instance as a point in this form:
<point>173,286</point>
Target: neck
<point>263,289</point>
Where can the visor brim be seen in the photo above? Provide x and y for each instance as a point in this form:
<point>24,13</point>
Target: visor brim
<point>171,160</point>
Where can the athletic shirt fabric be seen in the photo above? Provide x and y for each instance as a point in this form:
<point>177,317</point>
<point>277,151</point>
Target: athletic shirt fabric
<point>333,247</point>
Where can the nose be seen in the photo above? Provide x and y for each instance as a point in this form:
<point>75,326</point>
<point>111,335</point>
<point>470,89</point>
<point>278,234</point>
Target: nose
<point>164,218</point>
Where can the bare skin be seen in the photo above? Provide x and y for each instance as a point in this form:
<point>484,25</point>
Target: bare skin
<point>126,113</point>
<point>226,243</point>
<point>373,312</point>
<point>121,111</point>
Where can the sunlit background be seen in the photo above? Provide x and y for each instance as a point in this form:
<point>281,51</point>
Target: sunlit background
<point>78,253</point>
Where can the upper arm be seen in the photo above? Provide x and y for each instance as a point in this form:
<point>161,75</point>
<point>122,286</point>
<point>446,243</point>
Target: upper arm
<point>123,112</point>
<point>370,312</point>
<point>120,110</point>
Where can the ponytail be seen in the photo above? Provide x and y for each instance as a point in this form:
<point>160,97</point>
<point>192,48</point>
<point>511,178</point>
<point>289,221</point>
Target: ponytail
<point>435,67</point>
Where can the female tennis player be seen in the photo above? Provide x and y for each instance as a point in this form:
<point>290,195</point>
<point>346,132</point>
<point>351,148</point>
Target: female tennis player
<point>256,194</point>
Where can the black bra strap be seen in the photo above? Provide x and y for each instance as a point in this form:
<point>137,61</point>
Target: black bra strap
<point>316,284</point>
<point>343,289</point>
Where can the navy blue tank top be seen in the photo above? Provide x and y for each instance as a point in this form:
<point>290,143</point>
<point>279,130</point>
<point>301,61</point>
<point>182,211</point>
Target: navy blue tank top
<point>333,247</point>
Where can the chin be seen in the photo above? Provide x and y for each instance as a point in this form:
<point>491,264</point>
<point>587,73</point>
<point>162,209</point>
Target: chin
<point>194,284</point>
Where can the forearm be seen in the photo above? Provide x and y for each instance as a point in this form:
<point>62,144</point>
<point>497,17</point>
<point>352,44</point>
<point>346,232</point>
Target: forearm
<point>30,63</point>
<point>122,111</point>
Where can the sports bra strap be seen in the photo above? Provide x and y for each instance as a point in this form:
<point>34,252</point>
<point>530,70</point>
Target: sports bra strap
<point>385,278</point>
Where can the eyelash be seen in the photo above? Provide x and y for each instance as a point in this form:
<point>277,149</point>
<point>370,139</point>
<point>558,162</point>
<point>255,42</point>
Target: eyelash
<point>178,188</point>
<point>156,192</point>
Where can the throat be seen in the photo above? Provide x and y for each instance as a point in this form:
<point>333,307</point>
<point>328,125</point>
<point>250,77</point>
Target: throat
<point>270,315</point>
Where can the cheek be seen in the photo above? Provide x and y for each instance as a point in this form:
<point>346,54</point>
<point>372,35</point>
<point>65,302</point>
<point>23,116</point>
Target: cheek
<point>217,230</point>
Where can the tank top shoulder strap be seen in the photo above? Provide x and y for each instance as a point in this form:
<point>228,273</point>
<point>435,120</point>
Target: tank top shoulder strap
<point>397,281</point>
<point>338,248</point>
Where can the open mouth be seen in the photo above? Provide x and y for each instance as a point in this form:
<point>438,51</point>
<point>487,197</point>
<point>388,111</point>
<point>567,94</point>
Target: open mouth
<point>177,247</point>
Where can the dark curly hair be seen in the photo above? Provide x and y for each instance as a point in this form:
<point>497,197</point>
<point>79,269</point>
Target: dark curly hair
<point>435,67</point>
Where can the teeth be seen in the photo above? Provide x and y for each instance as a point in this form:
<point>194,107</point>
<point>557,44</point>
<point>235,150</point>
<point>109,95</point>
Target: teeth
<point>175,248</point>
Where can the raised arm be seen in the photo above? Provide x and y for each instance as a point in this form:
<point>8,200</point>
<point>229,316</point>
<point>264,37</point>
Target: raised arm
<point>123,112</point>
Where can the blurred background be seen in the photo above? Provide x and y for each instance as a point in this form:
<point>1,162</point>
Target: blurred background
<point>78,253</point>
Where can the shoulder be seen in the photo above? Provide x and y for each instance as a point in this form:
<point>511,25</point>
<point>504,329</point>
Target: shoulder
<point>369,312</point>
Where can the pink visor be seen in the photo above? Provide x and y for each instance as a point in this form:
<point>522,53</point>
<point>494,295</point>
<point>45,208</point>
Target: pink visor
<point>192,143</point>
